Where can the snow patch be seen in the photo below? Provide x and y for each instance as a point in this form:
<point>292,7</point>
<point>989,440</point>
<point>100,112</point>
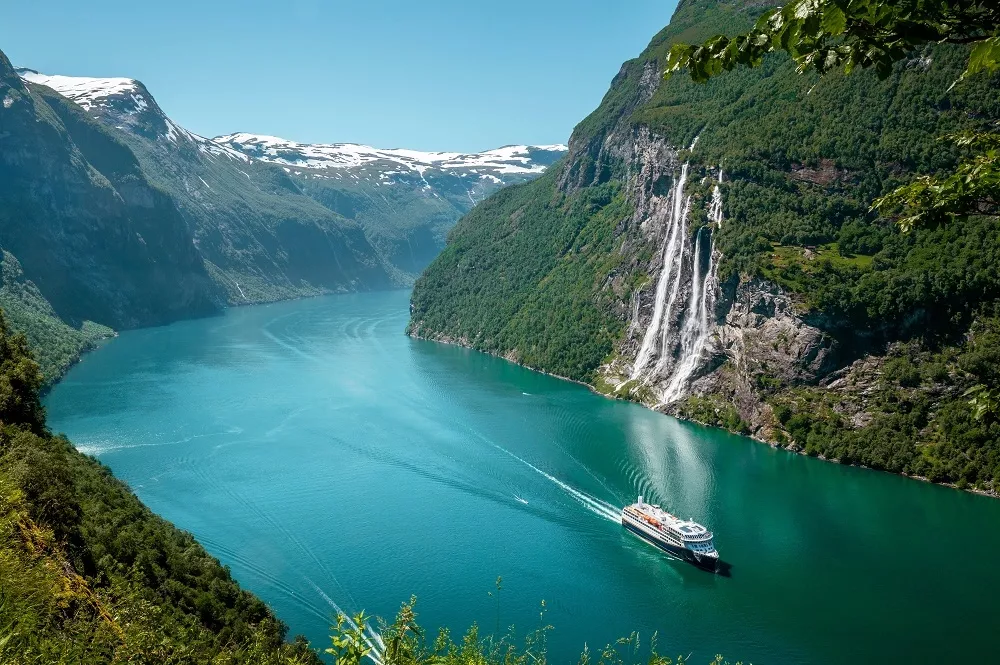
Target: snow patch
<point>84,90</point>
<point>506,160</point>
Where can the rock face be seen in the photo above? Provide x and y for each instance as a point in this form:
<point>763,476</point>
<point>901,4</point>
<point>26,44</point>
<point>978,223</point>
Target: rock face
<point>98,238</point>
<point>761,338</point>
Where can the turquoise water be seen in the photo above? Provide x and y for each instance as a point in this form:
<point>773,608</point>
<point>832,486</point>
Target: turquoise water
<point>329,459</point>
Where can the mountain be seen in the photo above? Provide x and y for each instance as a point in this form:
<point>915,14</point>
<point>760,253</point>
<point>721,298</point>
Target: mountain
<point>708,251</point>
<point>260,237</point>
<point>406,200</point>
<point>258,204</point>
<point>86,236</point>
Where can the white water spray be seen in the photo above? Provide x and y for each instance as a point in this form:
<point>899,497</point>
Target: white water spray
<point>673,254</point>
<point>679,346</point>
<point>697,325</point>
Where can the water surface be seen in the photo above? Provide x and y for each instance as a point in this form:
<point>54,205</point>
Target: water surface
<point>330,460</point>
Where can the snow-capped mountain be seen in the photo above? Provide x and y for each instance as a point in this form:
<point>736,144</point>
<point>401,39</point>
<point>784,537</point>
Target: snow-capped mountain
<point>405,200</point>
<point>127,104</point>
<point>260,236</point>
<point>508,160</point>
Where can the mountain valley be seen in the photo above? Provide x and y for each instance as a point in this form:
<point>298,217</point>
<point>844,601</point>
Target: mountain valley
<point>261,219</point>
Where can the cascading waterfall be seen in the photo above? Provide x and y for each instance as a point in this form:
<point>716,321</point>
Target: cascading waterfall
<point>697,326</point>
<point>715,209</point>
<point>673,253</point>
<point>681,343</point>
<point>674,293</point>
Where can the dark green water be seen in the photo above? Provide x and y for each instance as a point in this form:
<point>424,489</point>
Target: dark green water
<point>327,458</point>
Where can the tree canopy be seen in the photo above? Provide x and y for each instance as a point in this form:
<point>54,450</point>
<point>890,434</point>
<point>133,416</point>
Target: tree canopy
<point>824,35</point>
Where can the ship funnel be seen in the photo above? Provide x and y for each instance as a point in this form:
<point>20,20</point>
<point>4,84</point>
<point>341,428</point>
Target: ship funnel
<point>640,499</point>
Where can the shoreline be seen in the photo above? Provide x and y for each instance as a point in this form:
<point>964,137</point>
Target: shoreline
<point>791,447</point>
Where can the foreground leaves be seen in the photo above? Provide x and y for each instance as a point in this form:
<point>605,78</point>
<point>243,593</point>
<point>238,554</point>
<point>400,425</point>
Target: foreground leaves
<point>826,34</point>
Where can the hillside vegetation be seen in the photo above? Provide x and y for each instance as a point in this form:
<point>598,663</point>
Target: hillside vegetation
<point>803,158</point>
<point>89,575</point>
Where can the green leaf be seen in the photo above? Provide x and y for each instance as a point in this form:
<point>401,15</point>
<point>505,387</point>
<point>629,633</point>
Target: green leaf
<point>834,21</point>
<point>985,56</point>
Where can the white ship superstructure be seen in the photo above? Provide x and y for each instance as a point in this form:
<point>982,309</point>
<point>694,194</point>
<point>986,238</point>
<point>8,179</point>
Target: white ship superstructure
<point>684,539</point>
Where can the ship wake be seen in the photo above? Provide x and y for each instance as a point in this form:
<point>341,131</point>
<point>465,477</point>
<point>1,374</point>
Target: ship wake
<point>595,505</point>
<point>371,637</point>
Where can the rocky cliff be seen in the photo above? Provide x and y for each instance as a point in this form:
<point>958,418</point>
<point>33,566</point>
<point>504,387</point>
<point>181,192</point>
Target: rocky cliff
<point>93,233</point>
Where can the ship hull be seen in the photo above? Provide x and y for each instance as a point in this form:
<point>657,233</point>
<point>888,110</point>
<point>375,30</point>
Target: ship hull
<point>705,563</point>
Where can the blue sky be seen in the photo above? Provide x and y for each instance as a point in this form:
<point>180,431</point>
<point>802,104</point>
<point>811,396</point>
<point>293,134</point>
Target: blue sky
<point>434,75</point>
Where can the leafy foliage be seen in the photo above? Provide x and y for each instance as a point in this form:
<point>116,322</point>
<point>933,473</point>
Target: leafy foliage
<point>827,34</point>
<point>973,187</point>
<point>406,643</point>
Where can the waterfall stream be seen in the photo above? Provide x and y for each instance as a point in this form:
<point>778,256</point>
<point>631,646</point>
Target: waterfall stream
<point>681,325</point>
<point>673,254</point>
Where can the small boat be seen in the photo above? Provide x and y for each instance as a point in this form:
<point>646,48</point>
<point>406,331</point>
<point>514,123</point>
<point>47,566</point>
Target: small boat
<point>684,539</point>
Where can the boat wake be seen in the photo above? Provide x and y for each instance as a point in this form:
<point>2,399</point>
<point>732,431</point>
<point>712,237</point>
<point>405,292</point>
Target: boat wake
<point>599,507</point>
<point>371,637</point>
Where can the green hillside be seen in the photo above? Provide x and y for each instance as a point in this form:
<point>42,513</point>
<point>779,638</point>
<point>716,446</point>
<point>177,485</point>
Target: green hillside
<point>545,274</point>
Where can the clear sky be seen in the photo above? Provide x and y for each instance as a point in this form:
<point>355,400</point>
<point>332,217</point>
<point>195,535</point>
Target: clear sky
<point>462,75</point>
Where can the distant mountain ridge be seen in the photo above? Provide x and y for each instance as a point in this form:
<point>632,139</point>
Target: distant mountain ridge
<point>404,200</point>
<point>261,238</point>
<point>507,159</point>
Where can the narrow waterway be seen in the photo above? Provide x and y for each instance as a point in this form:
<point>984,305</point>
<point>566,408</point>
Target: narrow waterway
<point>330,460</point>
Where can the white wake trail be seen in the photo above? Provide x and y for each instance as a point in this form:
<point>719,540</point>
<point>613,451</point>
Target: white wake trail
<point>371,636</point>
<point>595,505</point>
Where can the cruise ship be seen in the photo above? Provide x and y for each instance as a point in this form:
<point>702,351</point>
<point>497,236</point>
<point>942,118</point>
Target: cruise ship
<point>682,538</point>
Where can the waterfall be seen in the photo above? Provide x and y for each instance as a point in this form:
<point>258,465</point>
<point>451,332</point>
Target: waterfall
<point>715,208</point>
<point>674,292</point>
<point>697,325</point>
<point>678,341</point>
<point>673,254</point>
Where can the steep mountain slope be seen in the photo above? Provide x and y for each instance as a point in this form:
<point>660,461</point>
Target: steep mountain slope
<point>260,237</point>
<point>57,343</point>
<point>708,250</point>
<point>83,222</point>
<point>406,200</point>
